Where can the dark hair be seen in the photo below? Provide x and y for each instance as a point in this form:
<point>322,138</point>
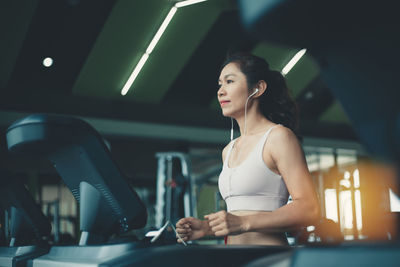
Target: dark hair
<point>276,103</point>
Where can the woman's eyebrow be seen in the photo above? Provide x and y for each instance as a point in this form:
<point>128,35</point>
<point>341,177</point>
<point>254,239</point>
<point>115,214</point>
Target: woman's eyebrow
<point>227,75</point>
<point>230,74</point>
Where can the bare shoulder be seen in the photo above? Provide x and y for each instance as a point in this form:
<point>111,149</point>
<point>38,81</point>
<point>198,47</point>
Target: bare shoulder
<point>283,140</point>
<point>282,134</point>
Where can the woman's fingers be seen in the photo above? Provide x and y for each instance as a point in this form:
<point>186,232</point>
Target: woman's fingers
<point>221,233</point>
<point>218,227</point>
<point>211,216</point>
<point>219,223</point>
<point>185,238</point>
<point>183,226</point>
<point>215,222</point>
<point>215,219</point>
<point>183,230</point>
<point>182,222</point>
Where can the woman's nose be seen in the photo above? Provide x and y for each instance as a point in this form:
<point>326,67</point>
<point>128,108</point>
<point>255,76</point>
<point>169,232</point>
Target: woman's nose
<point>221,91</point>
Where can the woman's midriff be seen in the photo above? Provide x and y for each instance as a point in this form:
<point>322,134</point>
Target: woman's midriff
<point>256,238</point>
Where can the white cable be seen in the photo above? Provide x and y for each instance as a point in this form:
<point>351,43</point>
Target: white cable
<point>173,228</point>
<point>245,116</point>
<point>245,121</point>
<point>231,129</point>
<point>245,112</point>
<point>157,234</point>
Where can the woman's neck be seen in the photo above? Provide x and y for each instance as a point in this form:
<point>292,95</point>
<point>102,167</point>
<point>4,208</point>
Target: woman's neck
<point>255,123</point>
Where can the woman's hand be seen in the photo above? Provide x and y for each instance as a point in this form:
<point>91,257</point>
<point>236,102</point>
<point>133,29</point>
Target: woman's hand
<point>223,223</point>
<point>191,229</point>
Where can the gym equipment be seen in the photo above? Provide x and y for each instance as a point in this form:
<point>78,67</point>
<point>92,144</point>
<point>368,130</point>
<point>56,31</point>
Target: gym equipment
<point>28,226</point>
<point>346,255</point>
<point>171,187</point>
<point>107,204</point>
<point>77,151</point>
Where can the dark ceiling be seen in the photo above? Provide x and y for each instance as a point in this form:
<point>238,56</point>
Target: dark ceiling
<point>172,104</point>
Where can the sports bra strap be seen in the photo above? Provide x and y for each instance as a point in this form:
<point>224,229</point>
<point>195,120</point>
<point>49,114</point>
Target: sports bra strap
<point>264,138</point>
<point>262,141</point>
<point>229,152</point>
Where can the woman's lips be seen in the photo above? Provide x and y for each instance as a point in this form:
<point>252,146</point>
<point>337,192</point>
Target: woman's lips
<point>223,103</point>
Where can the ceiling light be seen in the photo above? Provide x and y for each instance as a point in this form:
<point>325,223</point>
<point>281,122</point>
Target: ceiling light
<point>293,61</point>
<point>154,42</point>
<point>188,2</point>
<point>161,30</point>
<point>134,74</point>
<point>47,62</point>
<point>309,95</point>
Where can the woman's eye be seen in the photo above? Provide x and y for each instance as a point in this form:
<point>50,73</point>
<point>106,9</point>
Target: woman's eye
<point>219,85</point>
<point>229,81</point>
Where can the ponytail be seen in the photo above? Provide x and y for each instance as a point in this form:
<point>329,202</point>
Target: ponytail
<point>276,103</point>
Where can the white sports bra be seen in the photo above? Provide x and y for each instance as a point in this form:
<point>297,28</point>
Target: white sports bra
<point>252,185</point>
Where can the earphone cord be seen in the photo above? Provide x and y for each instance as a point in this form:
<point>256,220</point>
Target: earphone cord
<point>245,115</point>
<point>244,131</point>
<point>245,118</point>
<point>231,129</point>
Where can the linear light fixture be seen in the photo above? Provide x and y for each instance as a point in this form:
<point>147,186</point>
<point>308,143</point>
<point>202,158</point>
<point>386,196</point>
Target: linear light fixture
<point>293,61</point>
<point>154,42</point>
<point>134,74</point>
<point>161,30</point>
<point>188,2</point>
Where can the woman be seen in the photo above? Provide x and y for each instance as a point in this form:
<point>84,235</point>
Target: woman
<point>262,166</point>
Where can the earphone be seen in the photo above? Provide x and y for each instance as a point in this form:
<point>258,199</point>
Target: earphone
<point>245,113</point>
<point>255,92</point>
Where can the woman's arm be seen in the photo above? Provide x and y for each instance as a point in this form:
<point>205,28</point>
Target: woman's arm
<point>192,228</point>
<point>290,161</point>
<point>304,210</point>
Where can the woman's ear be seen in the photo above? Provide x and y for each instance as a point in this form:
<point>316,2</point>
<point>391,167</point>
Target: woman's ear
<point>262,87</point>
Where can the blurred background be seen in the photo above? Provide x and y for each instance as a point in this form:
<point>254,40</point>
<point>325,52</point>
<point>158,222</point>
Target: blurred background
<point>92,60</point>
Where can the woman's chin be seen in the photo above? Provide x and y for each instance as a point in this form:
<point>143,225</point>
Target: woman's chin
<point>226,114</point>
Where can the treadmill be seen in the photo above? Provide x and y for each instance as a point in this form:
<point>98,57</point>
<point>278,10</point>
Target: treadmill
<point>29,228</point>
<point>108,206</point>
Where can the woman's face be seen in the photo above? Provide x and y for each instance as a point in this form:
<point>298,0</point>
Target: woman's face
<point>233,90</point>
